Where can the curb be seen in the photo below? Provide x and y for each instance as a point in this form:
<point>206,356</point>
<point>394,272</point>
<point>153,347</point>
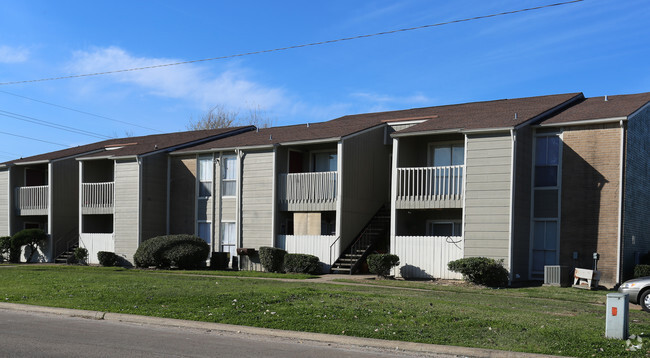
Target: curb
<point>272,333</point>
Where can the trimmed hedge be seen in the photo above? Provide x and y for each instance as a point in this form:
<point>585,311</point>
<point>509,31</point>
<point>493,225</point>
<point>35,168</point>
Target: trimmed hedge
<point>32,238</point>
<point>641,271</point>
<point>272,259</point>
<point>107,258</point>
<point>5,247</point>
<point>381,264</point>
<point>81,255</point>
<point>302,263</point>
<point>182,251</point>
<point>481,271</point>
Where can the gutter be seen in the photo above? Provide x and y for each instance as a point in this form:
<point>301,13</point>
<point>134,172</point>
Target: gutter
<point>583,122</point>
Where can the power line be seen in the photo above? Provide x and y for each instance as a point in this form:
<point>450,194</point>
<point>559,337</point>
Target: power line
<point>38,140</point>
<point>296,46</point>
<point>82,112</point>
<point>23,118</point>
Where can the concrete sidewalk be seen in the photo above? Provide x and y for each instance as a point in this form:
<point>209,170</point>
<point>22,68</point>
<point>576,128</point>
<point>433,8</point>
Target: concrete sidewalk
<point>410,347</point>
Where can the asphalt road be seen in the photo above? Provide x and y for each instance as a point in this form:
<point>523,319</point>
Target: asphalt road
<point>26,334</point>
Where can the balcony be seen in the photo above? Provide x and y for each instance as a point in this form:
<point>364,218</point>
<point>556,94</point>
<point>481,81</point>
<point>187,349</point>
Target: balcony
<point>430,187</point>
<point>308,191</point>
<point>32,200</point>
<point>97,198</point>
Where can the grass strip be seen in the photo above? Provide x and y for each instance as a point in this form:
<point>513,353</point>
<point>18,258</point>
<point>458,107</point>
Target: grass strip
<point>511,319</point>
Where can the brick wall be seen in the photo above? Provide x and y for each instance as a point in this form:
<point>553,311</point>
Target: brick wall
<point>590,198</point>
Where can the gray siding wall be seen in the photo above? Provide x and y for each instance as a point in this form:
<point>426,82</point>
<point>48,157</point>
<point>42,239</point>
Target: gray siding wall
<point>5,200</point>
<point>127,208</point>
<point>366,181</point>
<point>154,195</point>
<point>257,199</point>
<point>182,195</point>
<point>65,204</point>
<point>636,226</point>
<point>487,196</point>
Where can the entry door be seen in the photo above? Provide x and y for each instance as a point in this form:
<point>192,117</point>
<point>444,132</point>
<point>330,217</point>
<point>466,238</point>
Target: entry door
<point>295,162</point>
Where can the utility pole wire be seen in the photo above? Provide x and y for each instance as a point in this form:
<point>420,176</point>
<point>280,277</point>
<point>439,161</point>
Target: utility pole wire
<point>82,112</point>
<point>295,46</point>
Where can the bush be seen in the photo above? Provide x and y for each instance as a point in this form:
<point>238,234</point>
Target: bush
<point>5,247</point>
<point>33,238</point>
<point>302,263</point>
<point>272,258</point>
<point>481,271</point>
<point>641,271</point>
<point>107,258</point>
<point>183,251</point>
<point>80,255</point>
<point>381,264</point>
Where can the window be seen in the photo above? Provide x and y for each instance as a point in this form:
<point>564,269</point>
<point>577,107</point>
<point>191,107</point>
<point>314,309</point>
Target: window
<point>205,231</point>
<point>444,228</point>
<point>228,238</point>
<point>229,175</point>
<point>547,156</point>
<point>446,155</point>
<point>324,162</point>
<point>544,244</point>
<point>205,176</point>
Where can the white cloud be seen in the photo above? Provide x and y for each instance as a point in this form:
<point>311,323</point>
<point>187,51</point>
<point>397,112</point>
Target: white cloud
<point>13,54</point>
<point>192,82</point>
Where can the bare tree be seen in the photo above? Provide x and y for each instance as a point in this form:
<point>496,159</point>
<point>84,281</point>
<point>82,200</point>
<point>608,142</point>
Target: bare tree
<point>219,117</point>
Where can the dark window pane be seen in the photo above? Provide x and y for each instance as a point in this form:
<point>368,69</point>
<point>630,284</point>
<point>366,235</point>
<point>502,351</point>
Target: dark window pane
<point>545,176</point>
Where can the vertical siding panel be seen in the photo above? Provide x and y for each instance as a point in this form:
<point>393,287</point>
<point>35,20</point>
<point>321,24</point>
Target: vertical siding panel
<point>487,220</point>
<point>127,200</point>
<point>257,199</point>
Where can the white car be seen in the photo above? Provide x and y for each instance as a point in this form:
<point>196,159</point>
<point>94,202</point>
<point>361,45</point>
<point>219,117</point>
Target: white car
<point>638,290</point>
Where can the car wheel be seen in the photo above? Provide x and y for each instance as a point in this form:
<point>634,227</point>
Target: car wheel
<point>644,300</point>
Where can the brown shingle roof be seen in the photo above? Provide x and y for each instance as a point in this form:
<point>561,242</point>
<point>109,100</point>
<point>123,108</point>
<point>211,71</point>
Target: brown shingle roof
<point>598,108</point>
<point>287,134</point>
<point>504,113</point>
<point>130,145</point>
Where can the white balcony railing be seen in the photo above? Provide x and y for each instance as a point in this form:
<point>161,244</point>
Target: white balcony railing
<point>303,188</point>
<point>97,195</point>
<point>32,197</point>
<point>430,183</point>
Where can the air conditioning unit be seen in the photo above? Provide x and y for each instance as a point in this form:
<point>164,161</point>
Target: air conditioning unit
<point>557,276</point>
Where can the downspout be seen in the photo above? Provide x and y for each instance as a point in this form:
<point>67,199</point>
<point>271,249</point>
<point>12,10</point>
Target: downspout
<point>213,231</point>
<point>513,159</point>
<point>50,210</point>
<point>393,198</point>
<point>168,215</point>
<point>10,202</point>
<point>621,185</point>
<point>238,225</point>
<point>274,196</point>
<point>339,194</point>
<point>139,200</point>
<point>80,209</point>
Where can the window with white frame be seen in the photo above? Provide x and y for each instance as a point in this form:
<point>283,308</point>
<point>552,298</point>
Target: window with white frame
<point>205,176</point>
<point>205,231</point>
<point>228,175</point>
<point>446,159</point>
<point>444,228</point>
<point>228,238</point>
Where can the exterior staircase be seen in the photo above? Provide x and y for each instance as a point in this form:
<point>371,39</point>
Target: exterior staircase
<point>67,255</point>
<point>354,255</point>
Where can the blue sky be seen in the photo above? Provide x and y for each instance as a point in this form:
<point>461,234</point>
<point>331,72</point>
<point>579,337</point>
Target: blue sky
<point>598,47</point>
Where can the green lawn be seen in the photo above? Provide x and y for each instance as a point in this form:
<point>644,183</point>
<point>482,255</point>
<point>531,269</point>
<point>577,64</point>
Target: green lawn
<point>562,321</point>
